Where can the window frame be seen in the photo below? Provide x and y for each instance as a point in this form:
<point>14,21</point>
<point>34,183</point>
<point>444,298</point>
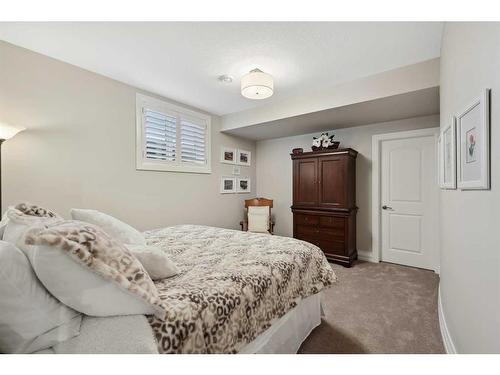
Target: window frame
<point>144,101</point>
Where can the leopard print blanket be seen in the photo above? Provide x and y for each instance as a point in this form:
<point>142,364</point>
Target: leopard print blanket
<point>231,286</point>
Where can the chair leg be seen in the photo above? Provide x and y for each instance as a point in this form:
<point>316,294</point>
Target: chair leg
<point>244,226</point>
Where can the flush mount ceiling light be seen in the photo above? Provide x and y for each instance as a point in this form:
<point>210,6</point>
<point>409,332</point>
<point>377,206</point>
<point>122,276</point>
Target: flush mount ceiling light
<point>257,85</point>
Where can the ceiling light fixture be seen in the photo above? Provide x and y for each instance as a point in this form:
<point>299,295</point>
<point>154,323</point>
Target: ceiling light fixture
<point>257,85</point>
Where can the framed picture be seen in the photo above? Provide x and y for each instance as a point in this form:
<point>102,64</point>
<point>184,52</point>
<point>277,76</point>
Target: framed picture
<point>448,156</point>
<point>243,185</point>
<point>244,157</point>
<point>473,130</point>
<point>227,185</point>
<point>227,155</point>
<point>440,162</point>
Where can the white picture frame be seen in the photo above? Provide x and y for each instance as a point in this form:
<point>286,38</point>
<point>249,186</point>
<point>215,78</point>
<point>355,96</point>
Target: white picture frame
<point>243,185</point>
<point>244,158</point>
<point>473,134</point>
<point>439,158</point>
<point>448,156</point>
<point>228,155</point>
<point>227,185</point>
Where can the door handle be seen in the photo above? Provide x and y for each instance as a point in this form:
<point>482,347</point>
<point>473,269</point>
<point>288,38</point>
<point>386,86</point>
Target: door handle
<point>384,207</point>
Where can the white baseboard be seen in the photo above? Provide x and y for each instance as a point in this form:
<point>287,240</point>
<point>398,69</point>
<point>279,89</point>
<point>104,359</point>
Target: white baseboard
<point>366,256</point>
<point>445,334</point>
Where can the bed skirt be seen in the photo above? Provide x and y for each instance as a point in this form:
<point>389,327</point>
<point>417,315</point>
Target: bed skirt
<point>289,332</point>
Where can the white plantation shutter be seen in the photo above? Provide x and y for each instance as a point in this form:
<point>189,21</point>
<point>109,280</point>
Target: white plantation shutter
<point>160,135</point>
<point>193,139</point>
<point>171,138</point>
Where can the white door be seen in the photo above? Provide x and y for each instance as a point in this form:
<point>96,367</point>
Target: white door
<point>409,201</point>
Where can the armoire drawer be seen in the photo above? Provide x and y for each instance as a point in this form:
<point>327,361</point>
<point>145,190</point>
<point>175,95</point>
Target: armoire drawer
<point>331,233</point>
<point>310,239</point>
<point>302,219</point>
<point>307,231</point>
<point>332,222</point>
<point>320,233</point>
<point>332,247</point>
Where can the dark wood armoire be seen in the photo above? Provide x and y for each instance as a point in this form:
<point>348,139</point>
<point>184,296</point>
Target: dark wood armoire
<point>324,202</point>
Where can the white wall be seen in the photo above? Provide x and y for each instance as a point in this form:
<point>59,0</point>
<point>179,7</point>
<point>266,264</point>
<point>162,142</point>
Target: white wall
<point>79,149</point>
<point>470,220</point>
<point>274,172</point>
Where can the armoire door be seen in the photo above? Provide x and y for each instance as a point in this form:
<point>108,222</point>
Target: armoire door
<point>332,181</point>
<point>305,180</point>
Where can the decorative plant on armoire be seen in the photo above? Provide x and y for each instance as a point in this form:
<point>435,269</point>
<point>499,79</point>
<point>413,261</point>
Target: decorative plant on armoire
<point>324,142</point>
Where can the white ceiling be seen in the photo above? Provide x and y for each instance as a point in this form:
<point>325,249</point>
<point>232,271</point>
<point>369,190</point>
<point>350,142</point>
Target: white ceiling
<point>182,61</point>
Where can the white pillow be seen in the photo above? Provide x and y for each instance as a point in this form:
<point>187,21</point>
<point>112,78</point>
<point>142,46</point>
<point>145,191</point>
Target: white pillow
<point>30,318</point>
<point>3,224</point>
<point>156,262</point>
<point>86,269</point>
<point>115,228</point>
<point>258,219</point>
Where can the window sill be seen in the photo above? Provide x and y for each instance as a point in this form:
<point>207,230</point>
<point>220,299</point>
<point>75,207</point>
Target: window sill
<point>145,166</point>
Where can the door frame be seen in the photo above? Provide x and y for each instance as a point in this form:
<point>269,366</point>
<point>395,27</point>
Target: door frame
<point>376,186</point>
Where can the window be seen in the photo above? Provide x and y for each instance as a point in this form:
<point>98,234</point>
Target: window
<point>171,138</point>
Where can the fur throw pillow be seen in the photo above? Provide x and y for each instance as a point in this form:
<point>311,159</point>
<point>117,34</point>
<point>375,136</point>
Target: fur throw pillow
<point>18,219</point>
<point>33,210</point>
<point>102,278</point>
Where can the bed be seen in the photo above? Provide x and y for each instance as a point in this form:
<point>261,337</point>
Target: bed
<point>133,334</point>
<point>236,292</point>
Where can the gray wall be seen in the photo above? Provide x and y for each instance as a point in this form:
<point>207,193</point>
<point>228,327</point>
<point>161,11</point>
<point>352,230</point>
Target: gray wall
<point>470,220</point>
<point>274,172</point>
<point>79,150</point>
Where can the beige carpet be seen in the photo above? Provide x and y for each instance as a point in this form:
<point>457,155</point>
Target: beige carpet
<point>379,308</point>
